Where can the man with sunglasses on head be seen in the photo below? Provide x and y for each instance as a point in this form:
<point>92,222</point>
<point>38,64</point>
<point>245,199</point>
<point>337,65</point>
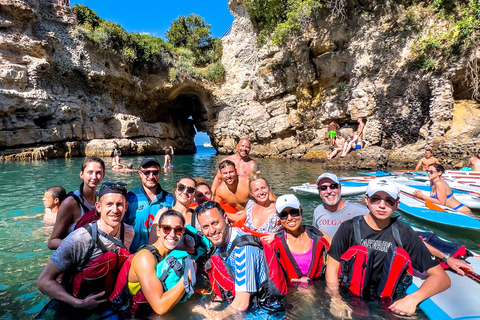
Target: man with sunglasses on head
<point>246,261</point>
<point>84,255</point>
<point>328,216</point>
<point>145,201</point>
<point>381,241</point>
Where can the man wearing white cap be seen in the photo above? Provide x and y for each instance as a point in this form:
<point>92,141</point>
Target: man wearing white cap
<point>382,236</point>
<point>328,216</point>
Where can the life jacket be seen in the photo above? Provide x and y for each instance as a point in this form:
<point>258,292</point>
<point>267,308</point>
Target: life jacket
<point>456,250</point>
<point>357,264</point>
<point>204,248</point>
<point>240,224</point>
<point>169,270</point>
<point>88,215</point>
<point>99,274</point>
<point>320,247</point>
<point>227,207</point>
<point>222,277</point>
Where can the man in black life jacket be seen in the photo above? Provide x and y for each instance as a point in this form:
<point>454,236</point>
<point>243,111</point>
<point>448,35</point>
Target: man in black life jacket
<point>247,264</point>
<point>84,252</point>
<point>380,235</point>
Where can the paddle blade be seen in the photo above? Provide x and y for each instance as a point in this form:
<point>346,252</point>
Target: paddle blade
<point>433,206</point>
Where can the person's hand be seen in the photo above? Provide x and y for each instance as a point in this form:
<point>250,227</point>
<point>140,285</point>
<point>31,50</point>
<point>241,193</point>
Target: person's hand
<point>269,237</point>
<point>339,309</point>
<point>302,279</point>
<point>183,247</point>
<point>418,194</point>
<point>404,307</point>
<point>457,264</point>
<point>91,301</point>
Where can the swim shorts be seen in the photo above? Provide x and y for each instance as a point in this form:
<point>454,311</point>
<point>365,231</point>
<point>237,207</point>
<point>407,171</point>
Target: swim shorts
<point>358,146</point>
<point>332,134</point>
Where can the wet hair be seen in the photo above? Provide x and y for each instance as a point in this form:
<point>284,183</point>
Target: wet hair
<point>168,152</point>
<point>58,192</point>
<point>429,150</point>
<point>171,213</point>
<point>87,160</point>
<point>438,167</point>
<point>254,177</point>
<point>201,181</point>
<point>226,163</point>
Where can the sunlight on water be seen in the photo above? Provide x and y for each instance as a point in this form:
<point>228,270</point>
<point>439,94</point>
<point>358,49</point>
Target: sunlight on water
<point>23,242</point>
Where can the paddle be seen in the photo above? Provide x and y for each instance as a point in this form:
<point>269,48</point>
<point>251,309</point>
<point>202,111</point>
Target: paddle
<point>428,204</point>
<point>471,274</point>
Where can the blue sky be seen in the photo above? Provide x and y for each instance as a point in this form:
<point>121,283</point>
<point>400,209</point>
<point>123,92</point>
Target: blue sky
<point>155,17</point>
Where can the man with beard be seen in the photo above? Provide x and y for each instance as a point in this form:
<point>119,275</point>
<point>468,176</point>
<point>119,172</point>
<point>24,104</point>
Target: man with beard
<point>233,192</point>
<point>243,163</point>
<point>328,216</point>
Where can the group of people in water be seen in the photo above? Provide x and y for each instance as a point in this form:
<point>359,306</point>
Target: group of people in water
<point>147,250</point>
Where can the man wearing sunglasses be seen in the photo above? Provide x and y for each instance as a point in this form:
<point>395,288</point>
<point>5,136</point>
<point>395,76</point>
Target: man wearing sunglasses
<point>85,253</point>
<point>145,201</point>
<point>382,236</point>
<point>474,162</point>
<point>328,216</point>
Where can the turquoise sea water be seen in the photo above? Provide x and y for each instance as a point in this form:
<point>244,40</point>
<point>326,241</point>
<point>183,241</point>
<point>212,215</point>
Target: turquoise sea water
<point>24,252</point>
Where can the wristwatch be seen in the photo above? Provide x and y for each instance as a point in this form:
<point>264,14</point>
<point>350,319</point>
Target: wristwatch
<point>445,257</point>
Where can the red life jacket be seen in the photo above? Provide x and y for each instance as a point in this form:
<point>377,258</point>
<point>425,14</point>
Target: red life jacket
<point>222,277</point>
<point>121,297</point>
<point>99,274</point>
<point>320,247</point>
<point>87,218</point>
<point>357,263</point>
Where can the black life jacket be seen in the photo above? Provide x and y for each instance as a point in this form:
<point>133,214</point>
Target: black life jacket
<point>99,274</point>
<point>317,266</point>
<point>357,263</point>
<point>456,250</point>
<point>222,277</point>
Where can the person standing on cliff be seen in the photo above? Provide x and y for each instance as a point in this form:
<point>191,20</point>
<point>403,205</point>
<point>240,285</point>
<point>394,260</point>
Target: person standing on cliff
<point>426,161</point>
<point>474,162</point>
<point>145,201</point>
<point>243,163</point>
<point>332,132</point>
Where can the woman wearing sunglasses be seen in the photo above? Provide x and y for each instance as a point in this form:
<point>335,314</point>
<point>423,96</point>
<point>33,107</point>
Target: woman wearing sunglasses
<point>142,280</point>
<point>301,249</point>
<point>184,193</point>
<point>440,192</point>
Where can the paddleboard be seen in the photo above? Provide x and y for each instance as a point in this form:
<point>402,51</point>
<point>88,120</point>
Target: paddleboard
<point>460,301</point>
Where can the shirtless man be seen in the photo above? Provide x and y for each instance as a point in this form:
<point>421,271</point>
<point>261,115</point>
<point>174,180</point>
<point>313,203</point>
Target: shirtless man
<point>340,142</point>
<point>355,138</point>
<point>474,162</point>
<point>244,164</point>
<point>232,193</point>
<point>426,161</point>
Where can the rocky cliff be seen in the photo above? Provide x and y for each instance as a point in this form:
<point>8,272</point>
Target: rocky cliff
<point>61,96</point>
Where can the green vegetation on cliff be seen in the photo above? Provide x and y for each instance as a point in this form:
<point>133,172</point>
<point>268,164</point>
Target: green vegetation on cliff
<point>190,50</point>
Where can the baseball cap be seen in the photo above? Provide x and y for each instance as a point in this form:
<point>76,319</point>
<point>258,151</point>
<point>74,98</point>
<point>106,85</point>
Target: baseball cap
<point>384,185</point>
<point>287,201</point>
<point>327,175</point>
<point>149,162</point>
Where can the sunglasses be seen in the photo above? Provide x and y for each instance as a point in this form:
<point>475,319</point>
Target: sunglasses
<point>293,213</point>
<point>179,231</point>
<point>430,171</point>
<point>376,200</point>
<point>209,205</point>
<point>147,173</point>
<point>333,186</point>
<point>181,188</point>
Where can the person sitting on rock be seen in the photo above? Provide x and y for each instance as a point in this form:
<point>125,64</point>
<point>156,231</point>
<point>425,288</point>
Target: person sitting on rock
<point>356,136</point>
<point>340,143</point>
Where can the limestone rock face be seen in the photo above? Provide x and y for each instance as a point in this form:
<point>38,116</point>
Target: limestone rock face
<point>62,96</point>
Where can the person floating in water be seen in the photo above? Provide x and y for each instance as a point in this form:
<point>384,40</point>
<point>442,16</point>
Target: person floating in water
<point>167,164</point>
<point>52,199</point>
<point>474,162</point>
<point>426,161</point>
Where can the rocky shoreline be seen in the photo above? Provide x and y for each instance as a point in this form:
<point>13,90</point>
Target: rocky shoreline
<point>62,97</point>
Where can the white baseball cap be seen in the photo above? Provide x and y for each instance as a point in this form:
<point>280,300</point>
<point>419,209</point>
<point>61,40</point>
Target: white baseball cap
<point>327,175</point>
<point>384,185</point>
<point>287,201</point>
